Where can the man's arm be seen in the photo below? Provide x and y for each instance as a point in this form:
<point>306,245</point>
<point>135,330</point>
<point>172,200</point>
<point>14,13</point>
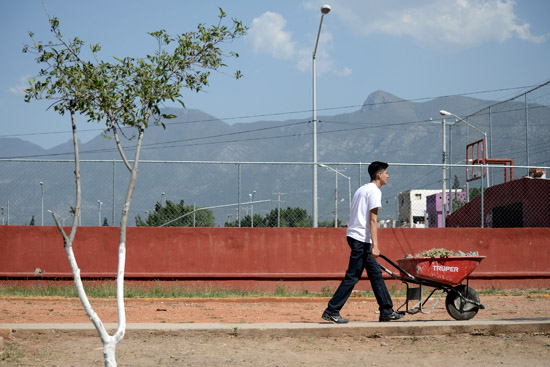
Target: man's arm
<point>373,218</point>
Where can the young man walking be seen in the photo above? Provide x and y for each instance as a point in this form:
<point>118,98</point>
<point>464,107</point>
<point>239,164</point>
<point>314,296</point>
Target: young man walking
<point>362,237</point>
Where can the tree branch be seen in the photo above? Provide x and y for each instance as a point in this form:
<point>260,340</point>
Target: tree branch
<point>120,149</point>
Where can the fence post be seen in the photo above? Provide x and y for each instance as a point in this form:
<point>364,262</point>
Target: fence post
<point>527,132</point>
<point>114,180</point>
<point>482,203</point>
<point>239,194</point>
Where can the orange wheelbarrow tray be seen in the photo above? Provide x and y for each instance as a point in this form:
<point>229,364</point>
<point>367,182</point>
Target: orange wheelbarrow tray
<point>445,274</point>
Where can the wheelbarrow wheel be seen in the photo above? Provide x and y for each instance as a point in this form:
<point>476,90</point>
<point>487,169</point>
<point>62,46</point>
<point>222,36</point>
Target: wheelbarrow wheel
<point>457,307</point>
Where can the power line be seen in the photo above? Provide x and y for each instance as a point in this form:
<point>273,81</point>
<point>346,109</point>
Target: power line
<point>293,112</point>
<point>361,126</point>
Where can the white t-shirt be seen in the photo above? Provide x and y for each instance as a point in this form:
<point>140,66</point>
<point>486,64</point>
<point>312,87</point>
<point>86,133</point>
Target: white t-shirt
<point>366,198</point>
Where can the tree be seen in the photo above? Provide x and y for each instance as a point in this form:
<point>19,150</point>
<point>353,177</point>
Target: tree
<point>105,222</point>
<point>475,192</point>
<point>177,215</point>
<point>456,202</point>
<point>329,223</point>
<point>456,183</point>
<point>125,94</point>
<point>289,217</point>
<point>247,221</point>
<point>32,221</point>
<point>295,217</point>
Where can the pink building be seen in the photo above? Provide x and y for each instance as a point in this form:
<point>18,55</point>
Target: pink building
<point>434,207</point>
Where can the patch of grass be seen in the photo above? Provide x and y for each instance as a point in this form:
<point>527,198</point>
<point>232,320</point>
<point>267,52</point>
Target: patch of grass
<point>160,289</point>
<point>513,292</point>
<point>156,289</point>
<point>326,291</point>
<point>11,354</point>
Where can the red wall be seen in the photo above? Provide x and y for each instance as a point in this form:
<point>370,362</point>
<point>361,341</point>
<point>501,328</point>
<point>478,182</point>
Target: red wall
<point>264,257</point>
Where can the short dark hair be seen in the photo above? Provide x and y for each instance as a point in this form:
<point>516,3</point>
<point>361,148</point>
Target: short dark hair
<point>376,167</point>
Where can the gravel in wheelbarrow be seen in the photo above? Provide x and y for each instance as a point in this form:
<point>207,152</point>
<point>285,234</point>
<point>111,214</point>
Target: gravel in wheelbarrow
<point>451,270</point>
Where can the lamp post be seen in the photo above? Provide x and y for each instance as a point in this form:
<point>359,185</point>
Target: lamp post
<point>336,191</point>
<point>252,208</point>
<point>446,113</point>
<point>161,198</point>
<point>42,191</point>
<point>325,9</point>
<point>99,203</point>
<point>444,179</point>
<point>484,133</point>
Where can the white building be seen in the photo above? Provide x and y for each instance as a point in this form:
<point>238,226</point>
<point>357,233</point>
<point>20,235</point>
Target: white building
<point>412,208</point>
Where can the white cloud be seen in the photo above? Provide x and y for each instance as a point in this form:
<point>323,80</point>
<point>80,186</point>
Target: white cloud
<point>459,24</point>
<point>267,34</point>
<point>323,61</point>
<point>22,84</point>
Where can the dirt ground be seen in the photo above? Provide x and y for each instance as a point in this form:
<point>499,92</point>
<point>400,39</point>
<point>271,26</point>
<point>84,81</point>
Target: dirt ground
<point>147,348</point>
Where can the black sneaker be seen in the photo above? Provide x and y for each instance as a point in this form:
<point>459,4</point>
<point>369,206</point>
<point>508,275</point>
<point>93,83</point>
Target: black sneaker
<point>337,319</point>
<point>390,316</point>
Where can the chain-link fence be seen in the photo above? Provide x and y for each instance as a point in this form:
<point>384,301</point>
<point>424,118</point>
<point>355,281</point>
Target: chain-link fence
<point>486,155</point>
<point>266,194</point>
<point>502,143</point>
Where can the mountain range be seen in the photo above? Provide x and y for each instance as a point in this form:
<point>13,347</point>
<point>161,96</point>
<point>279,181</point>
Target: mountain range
<point>385,128</point>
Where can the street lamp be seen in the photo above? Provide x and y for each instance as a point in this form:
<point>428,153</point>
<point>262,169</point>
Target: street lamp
<point>336,191</point>
<point>42,191</point>
<point>446,113</point>
<point>99,203</point>
<point>444,178</point>
<point>252,208</point>
<point>325,9</point>
<point>484,133</point>
<point>161,198</point>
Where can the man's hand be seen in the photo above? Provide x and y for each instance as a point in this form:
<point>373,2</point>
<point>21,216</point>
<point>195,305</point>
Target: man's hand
<point>375,251</point>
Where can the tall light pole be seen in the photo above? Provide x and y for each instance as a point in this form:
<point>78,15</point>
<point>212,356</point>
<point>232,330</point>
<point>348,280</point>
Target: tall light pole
<point>325,9</point>
<point>484,133</point>
<point>444,183</point>
<point>252,208</point>
<point>42,191</point>
<point>99,203</point>
<point>446,113</point>
<point>336,173</point>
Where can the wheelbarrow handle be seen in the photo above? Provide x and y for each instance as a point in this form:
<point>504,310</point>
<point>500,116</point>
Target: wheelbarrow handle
<point>403,271</point>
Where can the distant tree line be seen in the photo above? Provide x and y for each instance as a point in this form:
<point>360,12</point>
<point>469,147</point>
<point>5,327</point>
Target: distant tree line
<point>180,215</point>
<point>177,215</point>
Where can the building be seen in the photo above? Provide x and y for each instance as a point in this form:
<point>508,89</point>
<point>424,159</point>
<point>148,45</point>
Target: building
<point>519,203</point>
<point>412,207</point>
<point>435,210</point>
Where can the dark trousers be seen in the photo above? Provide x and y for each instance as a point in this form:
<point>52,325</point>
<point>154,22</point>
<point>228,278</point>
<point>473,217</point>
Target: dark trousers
<point>360,259</point>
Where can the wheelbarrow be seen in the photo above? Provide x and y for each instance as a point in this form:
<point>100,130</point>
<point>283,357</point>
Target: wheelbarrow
<point>444,274</point>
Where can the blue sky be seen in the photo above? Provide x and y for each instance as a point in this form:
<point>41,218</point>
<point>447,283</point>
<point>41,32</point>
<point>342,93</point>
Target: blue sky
<point>412,49</point>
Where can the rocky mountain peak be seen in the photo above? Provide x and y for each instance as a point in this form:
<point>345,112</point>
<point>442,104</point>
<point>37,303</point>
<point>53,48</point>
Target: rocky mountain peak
<point>378,99</point>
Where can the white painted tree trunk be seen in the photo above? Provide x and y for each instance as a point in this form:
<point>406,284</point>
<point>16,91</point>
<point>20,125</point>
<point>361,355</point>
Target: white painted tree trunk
<point>109,341</point>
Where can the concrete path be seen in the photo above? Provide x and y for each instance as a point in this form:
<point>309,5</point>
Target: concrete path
<point>397,328</point>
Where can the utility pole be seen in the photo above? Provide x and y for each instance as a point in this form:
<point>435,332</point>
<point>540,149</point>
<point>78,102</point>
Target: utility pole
<point>279,207</point>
